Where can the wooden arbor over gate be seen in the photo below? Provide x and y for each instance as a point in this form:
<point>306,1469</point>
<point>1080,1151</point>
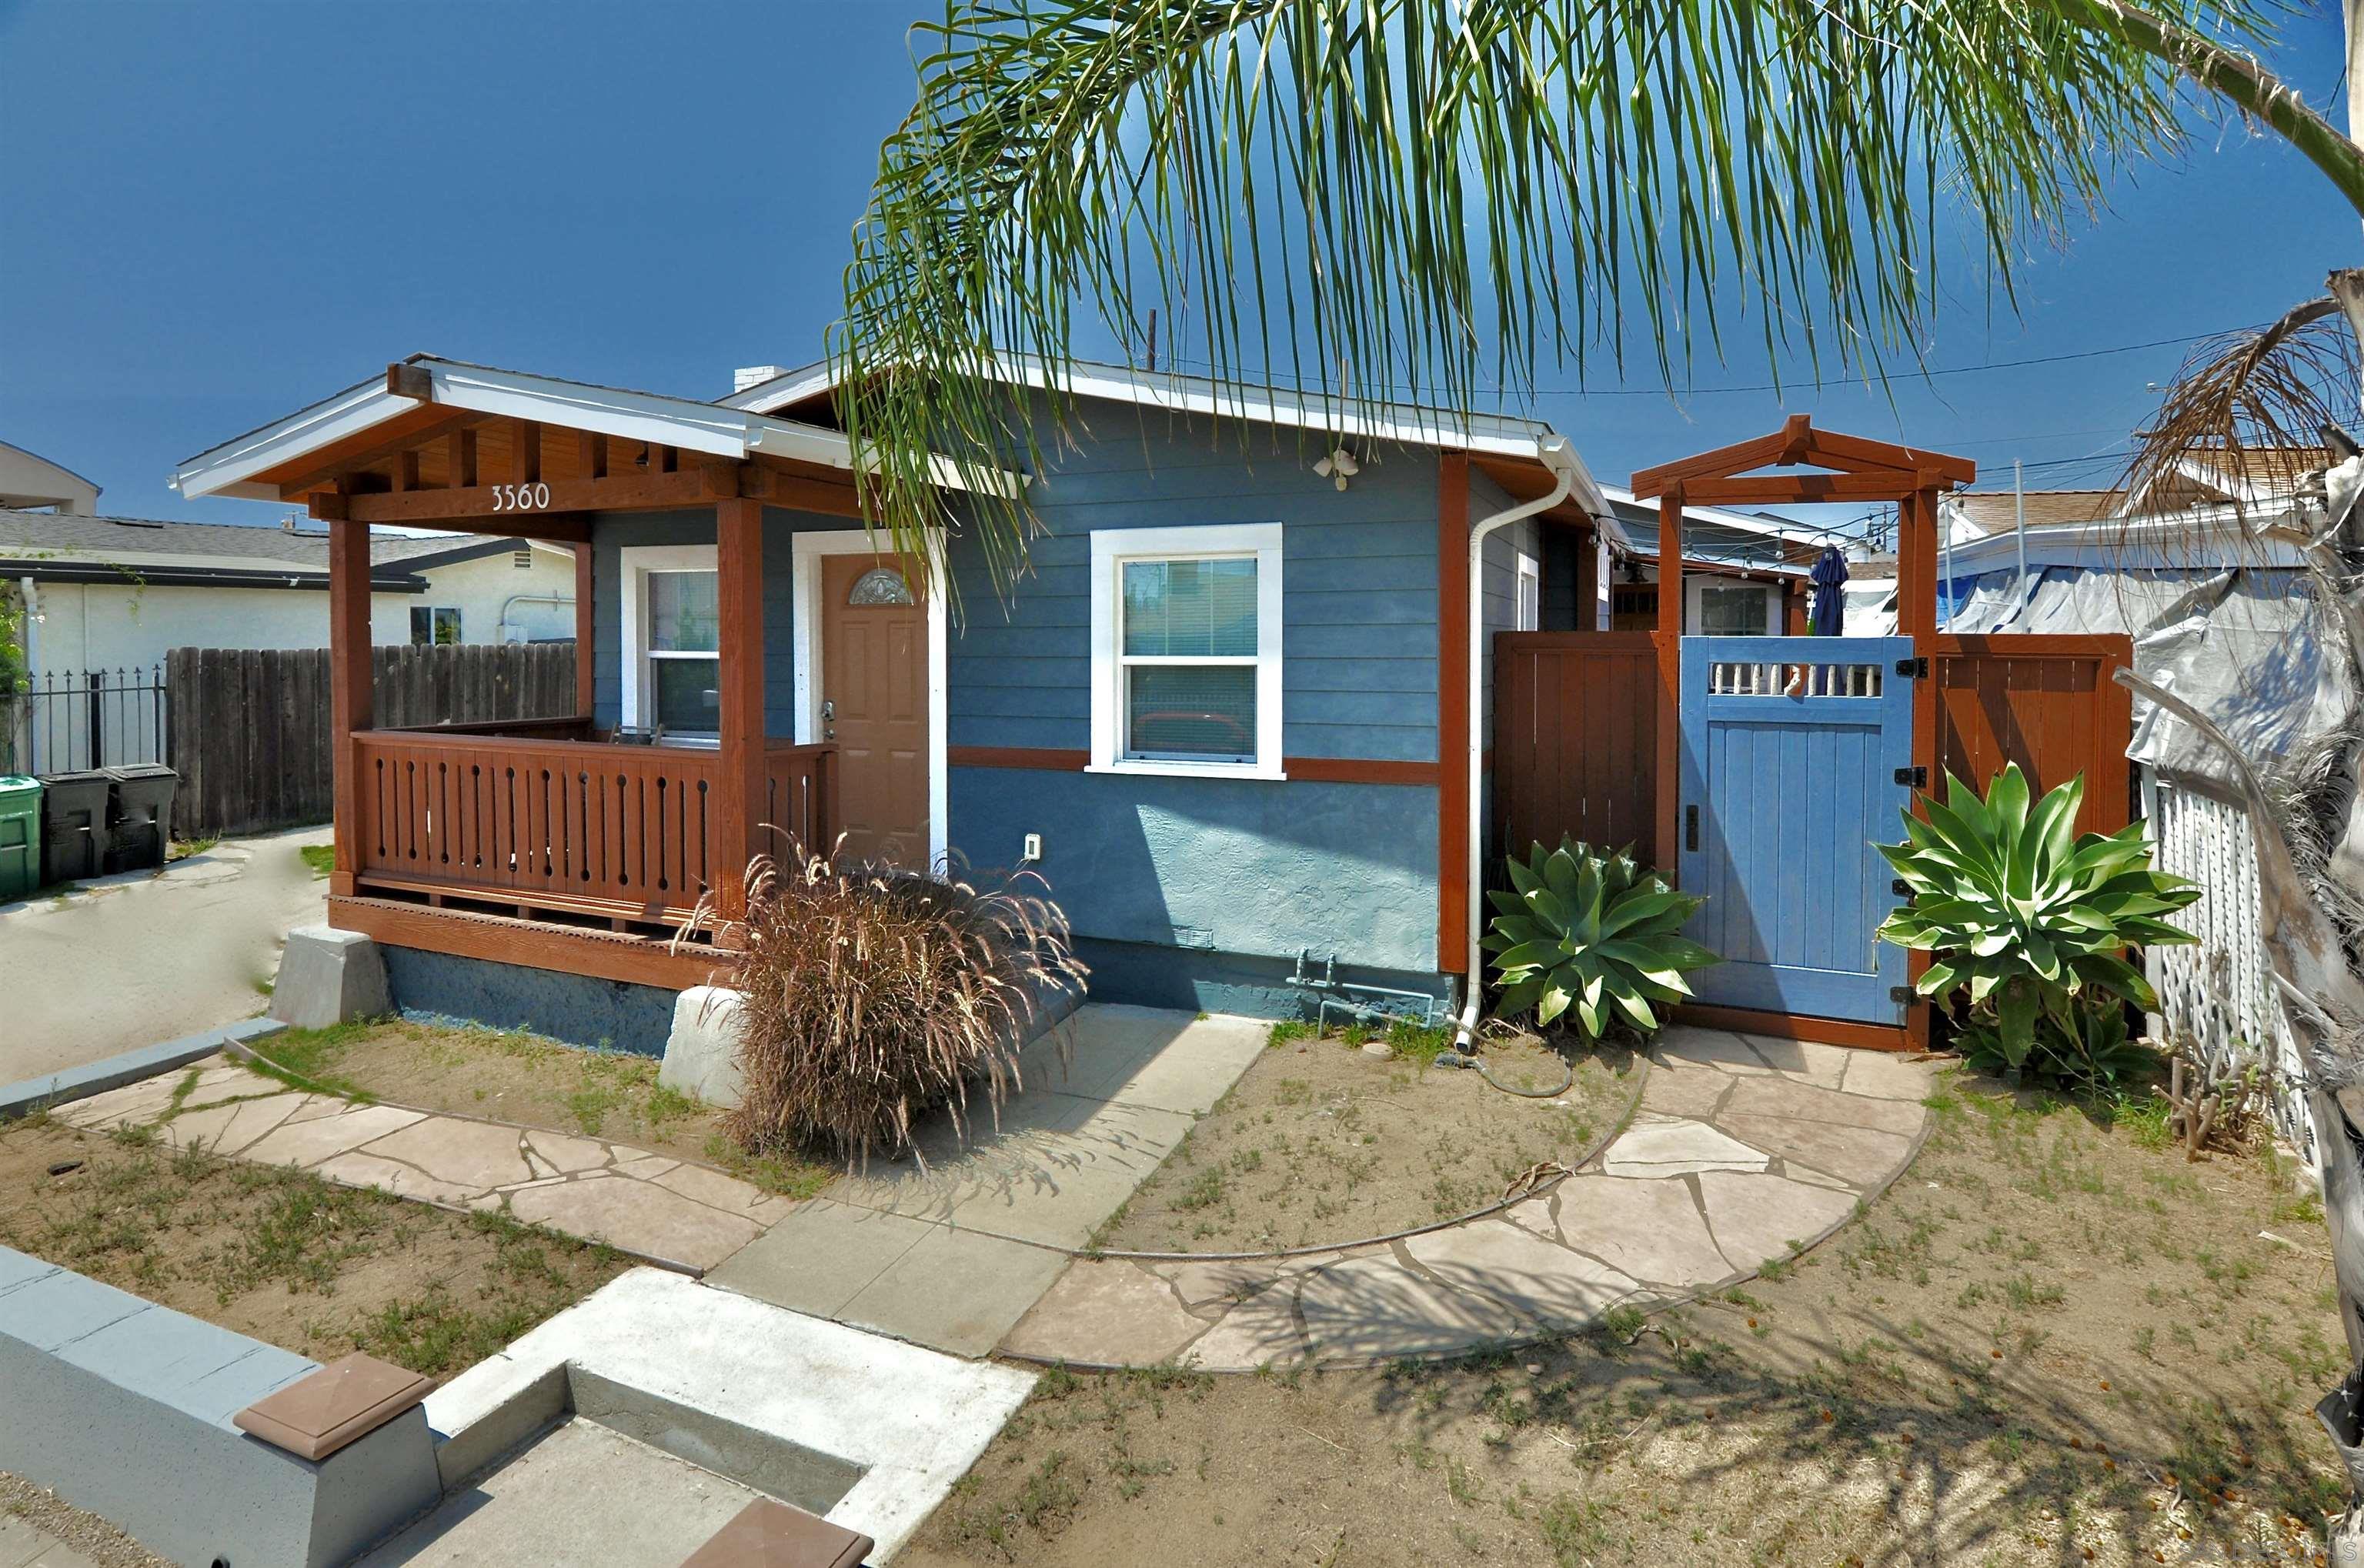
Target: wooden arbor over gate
<point>1851,468</point>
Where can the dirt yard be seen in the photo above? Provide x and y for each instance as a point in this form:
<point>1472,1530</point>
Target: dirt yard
<point>2052,1342</point>
<point>512,1076</point>
<point>283,1256</point>
<point>1319,1141</point>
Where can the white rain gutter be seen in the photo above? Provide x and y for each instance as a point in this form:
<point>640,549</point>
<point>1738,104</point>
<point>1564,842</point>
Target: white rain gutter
<point>1560,458</point>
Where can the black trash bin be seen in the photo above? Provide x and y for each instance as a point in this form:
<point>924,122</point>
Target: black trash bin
<point>139,824</point>
<point>73,825</point>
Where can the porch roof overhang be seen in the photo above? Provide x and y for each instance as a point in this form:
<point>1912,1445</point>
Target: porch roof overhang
<point>1509,448</point>
<point>420,394</point>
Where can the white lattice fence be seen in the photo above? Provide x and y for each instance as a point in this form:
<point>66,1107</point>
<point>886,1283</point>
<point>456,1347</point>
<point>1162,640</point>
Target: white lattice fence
<point>2220,993</point>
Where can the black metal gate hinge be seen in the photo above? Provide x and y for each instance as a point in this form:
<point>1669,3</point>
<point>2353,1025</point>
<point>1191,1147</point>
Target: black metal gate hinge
<point>1912,669</point>
<point>1915,778</point>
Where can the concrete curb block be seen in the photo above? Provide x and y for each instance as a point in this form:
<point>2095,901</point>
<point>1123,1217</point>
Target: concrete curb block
<point>63,1088</point>
<point>129,1409</point>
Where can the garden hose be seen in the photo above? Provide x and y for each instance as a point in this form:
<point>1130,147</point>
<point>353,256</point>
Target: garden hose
<point>1463,1058</point>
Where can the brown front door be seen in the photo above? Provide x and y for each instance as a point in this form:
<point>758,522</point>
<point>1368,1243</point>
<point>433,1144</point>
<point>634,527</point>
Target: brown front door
<point>874,687</point>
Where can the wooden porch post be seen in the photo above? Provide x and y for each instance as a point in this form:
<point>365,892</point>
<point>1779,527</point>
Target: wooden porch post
<point>586,669</point>
<point>1916,616</point>
<point>739,572</point>
<point>1452,716</point>
<point>1670,667</point>
<point>351,695</point>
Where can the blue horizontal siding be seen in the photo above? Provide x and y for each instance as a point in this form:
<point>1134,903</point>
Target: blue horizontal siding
<point>1358,582</point>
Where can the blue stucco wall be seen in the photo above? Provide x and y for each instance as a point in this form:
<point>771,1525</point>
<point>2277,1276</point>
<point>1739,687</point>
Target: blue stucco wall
<point>1221,865</point>
<point>606,1015</point>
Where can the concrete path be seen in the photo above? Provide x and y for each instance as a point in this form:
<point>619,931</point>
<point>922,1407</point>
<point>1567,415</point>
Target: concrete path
<point>22,1546</point>
<point>651,1205</point>
<point>124,962</point>
<point>1743,1150</point>
<point>952,1256</point>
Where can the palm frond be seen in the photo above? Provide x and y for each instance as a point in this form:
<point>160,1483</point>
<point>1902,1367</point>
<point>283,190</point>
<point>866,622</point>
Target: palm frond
<point>1396,199</point>
<point>2252,404</point>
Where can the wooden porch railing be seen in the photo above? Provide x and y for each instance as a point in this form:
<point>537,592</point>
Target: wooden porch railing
<point>571,826</point>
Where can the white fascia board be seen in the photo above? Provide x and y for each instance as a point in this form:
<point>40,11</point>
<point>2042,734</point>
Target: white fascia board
<point>795,386</point>
<point>630,415</point>
<point>225,469</point>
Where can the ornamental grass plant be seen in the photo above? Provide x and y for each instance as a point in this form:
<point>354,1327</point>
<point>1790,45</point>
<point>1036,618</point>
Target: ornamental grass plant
<point>874,996</point>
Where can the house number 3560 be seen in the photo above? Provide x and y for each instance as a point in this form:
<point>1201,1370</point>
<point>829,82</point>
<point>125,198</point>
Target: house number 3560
<point>521,497</point>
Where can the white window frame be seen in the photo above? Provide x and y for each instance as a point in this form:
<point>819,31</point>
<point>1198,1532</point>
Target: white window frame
<point>1527,594</point>
<point>806,547</point>
<point>634,563</point>
<point>459,622</point>
<point>1111,548</point>
<point>1696,583</point>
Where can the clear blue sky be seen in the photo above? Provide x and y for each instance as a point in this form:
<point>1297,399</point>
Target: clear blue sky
<point>217,212</point>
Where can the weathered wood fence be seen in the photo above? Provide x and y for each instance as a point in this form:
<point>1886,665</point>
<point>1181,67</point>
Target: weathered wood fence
<point>247,729</point>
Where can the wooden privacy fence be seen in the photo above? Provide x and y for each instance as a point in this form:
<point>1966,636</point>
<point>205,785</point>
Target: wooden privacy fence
<point>1575,724</point>
<point>247,729</point>
<point>2050,705</point>
<point>1576,740</point>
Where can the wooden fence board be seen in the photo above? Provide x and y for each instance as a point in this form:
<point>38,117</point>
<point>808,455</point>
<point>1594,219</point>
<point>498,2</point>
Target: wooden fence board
<point>2048,704</point>
<point>247,729</point>
<point>1576,740</point>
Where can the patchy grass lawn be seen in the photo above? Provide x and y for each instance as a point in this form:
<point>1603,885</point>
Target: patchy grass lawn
<point>281,1256</point>
<point>2052,1342</point>
<point>321,857</point>
<point>524,1078</point>
<point>1318,1141</point>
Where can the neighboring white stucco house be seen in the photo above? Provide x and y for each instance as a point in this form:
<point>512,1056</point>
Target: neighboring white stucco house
<point>120,593</point>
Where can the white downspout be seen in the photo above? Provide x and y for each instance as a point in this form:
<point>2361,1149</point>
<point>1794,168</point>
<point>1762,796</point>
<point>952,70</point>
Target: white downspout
<point>1560,458</point>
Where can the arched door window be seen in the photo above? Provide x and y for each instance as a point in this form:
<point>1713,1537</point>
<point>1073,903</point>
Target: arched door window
<point>880,585</point>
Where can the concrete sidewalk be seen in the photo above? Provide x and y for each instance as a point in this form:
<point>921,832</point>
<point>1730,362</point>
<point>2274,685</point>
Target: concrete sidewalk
<point>995,1216</point>
<point>126,962</point>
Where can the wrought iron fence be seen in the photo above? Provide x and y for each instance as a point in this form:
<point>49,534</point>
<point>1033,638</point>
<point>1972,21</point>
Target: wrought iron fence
<point>69,719</point>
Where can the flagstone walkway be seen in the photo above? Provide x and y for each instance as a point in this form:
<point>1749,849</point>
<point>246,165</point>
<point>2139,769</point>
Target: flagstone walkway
<point>688,1217</point>
<point>1744,1149</point>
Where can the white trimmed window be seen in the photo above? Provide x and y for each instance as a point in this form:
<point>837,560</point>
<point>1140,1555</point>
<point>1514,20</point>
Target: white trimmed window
<point>1735,609</point>
<point>1186,650</point>
<point>671,641</point>
<point>1527,595</point>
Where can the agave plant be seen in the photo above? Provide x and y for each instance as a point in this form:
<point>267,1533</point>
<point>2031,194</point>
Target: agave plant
<point>2031,922</point>
<point>1590,934</point>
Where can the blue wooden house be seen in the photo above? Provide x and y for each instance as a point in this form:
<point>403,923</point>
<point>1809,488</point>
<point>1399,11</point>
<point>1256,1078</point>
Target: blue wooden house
<point>1236,714</point>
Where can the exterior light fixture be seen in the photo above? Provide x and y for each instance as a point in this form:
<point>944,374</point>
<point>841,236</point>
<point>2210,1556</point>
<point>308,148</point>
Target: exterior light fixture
<point>1338,467</point>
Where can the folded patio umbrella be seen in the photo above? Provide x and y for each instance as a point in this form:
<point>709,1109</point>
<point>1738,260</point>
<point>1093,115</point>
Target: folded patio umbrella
<point>1829,577</point>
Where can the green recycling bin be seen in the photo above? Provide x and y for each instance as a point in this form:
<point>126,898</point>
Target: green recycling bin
<point>20,836</point>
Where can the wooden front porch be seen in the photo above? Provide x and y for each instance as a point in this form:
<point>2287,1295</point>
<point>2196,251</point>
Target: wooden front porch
<point>548,821</point>
<point>555,843</point>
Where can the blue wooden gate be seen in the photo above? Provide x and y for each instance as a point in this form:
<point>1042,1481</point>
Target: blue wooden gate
<point>1790,771</point>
